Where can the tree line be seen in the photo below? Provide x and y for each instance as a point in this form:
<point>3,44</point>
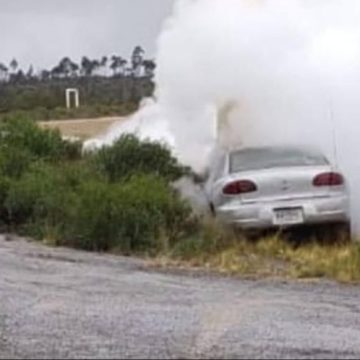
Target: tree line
<point>106,66</point>
<point>111,82</point>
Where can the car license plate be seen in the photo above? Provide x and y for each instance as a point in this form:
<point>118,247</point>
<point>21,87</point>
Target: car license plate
<point>288,216</point>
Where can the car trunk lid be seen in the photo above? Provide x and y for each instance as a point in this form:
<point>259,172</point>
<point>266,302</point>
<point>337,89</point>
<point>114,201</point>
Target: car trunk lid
<point>278,184</point>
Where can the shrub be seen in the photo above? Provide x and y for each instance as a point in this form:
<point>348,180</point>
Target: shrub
<point>14,161</point>
<point>130,216</point>
<point>4,190</point>
<point>81,209</point>
<point>72,150</point>
<point>22,133</point>
<point>37,192</point>
<point>45,195</point>
<point>23,136</point>
<point>128,156</point>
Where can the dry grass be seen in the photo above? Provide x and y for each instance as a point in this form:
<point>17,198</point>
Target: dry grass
<point>229,253</point>
<point>82,128</point>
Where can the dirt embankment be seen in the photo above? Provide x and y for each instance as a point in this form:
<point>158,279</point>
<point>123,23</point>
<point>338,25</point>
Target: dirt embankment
<point>82,128</point>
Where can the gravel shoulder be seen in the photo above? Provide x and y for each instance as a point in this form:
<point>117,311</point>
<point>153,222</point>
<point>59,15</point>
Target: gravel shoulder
<point>60,303</point>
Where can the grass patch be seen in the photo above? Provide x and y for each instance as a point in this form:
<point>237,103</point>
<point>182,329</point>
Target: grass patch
<point>230,252</point>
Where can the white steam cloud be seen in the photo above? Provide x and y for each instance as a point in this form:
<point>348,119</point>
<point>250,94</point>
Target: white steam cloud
<point>289,68</point>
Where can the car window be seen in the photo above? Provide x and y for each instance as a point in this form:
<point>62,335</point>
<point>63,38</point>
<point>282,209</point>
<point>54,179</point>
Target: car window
<point>264,158</point>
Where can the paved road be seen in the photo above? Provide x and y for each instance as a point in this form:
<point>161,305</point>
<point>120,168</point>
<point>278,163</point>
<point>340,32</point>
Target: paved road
<point>57,303</point>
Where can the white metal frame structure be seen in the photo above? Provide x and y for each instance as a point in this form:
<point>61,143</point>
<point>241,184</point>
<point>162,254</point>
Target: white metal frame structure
<point>68,94</point>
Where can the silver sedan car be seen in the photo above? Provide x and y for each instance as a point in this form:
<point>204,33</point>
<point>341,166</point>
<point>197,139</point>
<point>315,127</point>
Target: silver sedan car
<point>265,187</point>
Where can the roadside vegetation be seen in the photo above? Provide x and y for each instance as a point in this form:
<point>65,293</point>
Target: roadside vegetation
<point>121,200</point>
<point>218,249</point>
<point>117,198</point>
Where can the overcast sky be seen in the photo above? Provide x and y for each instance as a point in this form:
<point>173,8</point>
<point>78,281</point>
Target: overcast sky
<point>41,32</point>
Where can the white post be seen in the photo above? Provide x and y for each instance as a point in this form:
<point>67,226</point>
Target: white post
<point>77,101</point>
<point>68,93</point>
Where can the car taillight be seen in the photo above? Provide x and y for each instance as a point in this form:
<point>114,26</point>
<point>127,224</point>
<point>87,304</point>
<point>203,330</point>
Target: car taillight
<point>329,179</point>
<point>239,187</point>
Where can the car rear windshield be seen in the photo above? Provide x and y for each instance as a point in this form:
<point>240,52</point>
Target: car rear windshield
<point>265,158</point>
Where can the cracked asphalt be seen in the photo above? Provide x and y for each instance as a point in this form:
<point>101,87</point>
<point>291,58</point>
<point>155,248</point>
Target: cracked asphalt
<point>60,303</point>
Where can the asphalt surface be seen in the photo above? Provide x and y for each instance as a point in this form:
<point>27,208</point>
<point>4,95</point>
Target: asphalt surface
<point>57,303</point>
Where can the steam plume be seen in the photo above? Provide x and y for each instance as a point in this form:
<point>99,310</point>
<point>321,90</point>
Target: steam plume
<point>278,71</point>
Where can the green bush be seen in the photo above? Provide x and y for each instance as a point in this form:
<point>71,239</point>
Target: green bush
<point>119,198</point>
<point>128,156</point>
<point>14,161</point>
<point>38,194</point>
<point>23,142</point>
<point>87,212</point>
<point>4,190</point>
<point>24,134</point>
<point>130,216</point>
<point>42,192</point>
<point>72,149</point>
